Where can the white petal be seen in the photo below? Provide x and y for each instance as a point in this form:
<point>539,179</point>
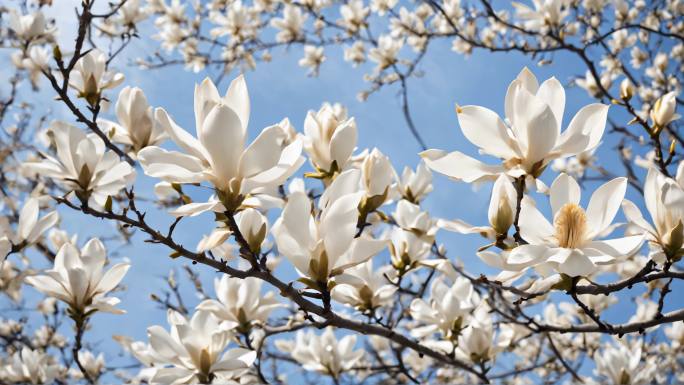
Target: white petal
<point>459,166</point>
<point>564,189</point>
<point>604,205</point>
<point>485,129</point>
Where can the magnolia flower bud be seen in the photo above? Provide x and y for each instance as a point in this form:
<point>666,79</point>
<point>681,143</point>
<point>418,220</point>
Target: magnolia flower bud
<point>254,227</point>
<point>502,205</point>
<point>377,173</point>
<point>663,112</point>
<point>135,114</point>
<point>626,89</point>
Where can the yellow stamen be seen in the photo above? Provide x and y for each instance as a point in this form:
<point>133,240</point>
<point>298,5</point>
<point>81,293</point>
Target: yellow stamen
<point>571,225</point>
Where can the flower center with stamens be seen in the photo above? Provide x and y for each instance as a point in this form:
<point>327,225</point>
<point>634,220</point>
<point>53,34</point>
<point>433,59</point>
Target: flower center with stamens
<point>571,225</point>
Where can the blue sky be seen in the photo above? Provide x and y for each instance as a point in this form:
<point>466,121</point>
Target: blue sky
<point>282,89</point>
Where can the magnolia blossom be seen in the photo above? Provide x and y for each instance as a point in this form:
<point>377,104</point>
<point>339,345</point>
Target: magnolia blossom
<point>663,112</point>
<point>313,58</point>
<point>29,228</point>
<point>546,13</point>
<point>407,249</point>
<point>329,139</point>
<point>323,353</point>
<point>219,155</point>
<point>447,309</point>
<point>413,186</point>
<point>378,175</point>
<point>30,28</point>
<point>664,198</point>
<point>363,287</point>
<point>136,126</point>
<point>621,364</point>
<point>194,351</point>
<point>324,246</point>
<point>90,76</point>
<point>84,165</point>
<point>501,213</point>
<point>291,24</point>
<point>30,366</point>
<point>78,279</point>
<point>570,245</point>
<point>529,139</point>
<point>240,302</point>
<point>385,54</point>
<point>476,343</point>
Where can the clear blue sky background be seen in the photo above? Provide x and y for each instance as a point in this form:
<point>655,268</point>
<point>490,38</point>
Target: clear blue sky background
<point>282,89</point>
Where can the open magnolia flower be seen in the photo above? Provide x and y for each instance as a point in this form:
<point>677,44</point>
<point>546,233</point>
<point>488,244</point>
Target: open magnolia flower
<point>30,366</point>
<point>29,228</point>
<point>665,202</point>
<point>31,28</point>
<point>218,154</point>
<point>529,139</point>
<point>323,246</point>
<point>546,13</point>
<point>83,165</point>
<point>620,363</point>
<point>323,353</point>
<point>194,351</point>
<point>570,245</point>
<point>414,185</point>
<point>364,288</point>
<point>78,278</point>
<point>90,76</point>
<point>240,302</point>
<point>476,343</point>
<point>447,310</point>
<point>136,126</point>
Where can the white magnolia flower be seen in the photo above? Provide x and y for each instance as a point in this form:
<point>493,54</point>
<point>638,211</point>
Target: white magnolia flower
<point>529,139</point>
<point>323,246</point>
<point>136,126</point>
<point>29,228</point>
<point>329,140</point>
<point>363,288</point>
<point>313,58</point>
<point>35,61</point>
<point>30,366</point>
<point>219,155</point>
<point>546,13</point>
<point>78,278</point>
<point>476,342</point>
<point>194,351</point>
<point>385,54</point>
<point>93,365</point>
<point>30,28</point>
<point>90,76</point>
<point>501,213</point>
<point>323,353</point>
<point>447,309</point>
<point>290,24</point>
<point>84,165</point>
<point>570,245</point>
<point>354,15</point>
<point>240,302</point>
<point>621,364</point>
<point>413,186</point>
<point>407,249</point>
<point>663,112</point>
<point>664,198</point>
<point>378,173</point>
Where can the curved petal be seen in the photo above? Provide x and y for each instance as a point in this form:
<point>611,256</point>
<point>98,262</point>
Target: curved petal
<point>263,153</point>
<point>237,98</point>
<point>459,166</point>
<point>563,190</point>
<point>534,227</point>
<point>484,128</point>
<point>223,138</point>
<point>584,131</point>
<point>171,166</point>
<point>343,142</point>
<point>604,205</point>
<point>553,93</point>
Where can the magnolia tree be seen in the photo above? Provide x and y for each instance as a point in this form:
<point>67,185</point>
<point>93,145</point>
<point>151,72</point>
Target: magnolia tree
<point>326,266</point>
